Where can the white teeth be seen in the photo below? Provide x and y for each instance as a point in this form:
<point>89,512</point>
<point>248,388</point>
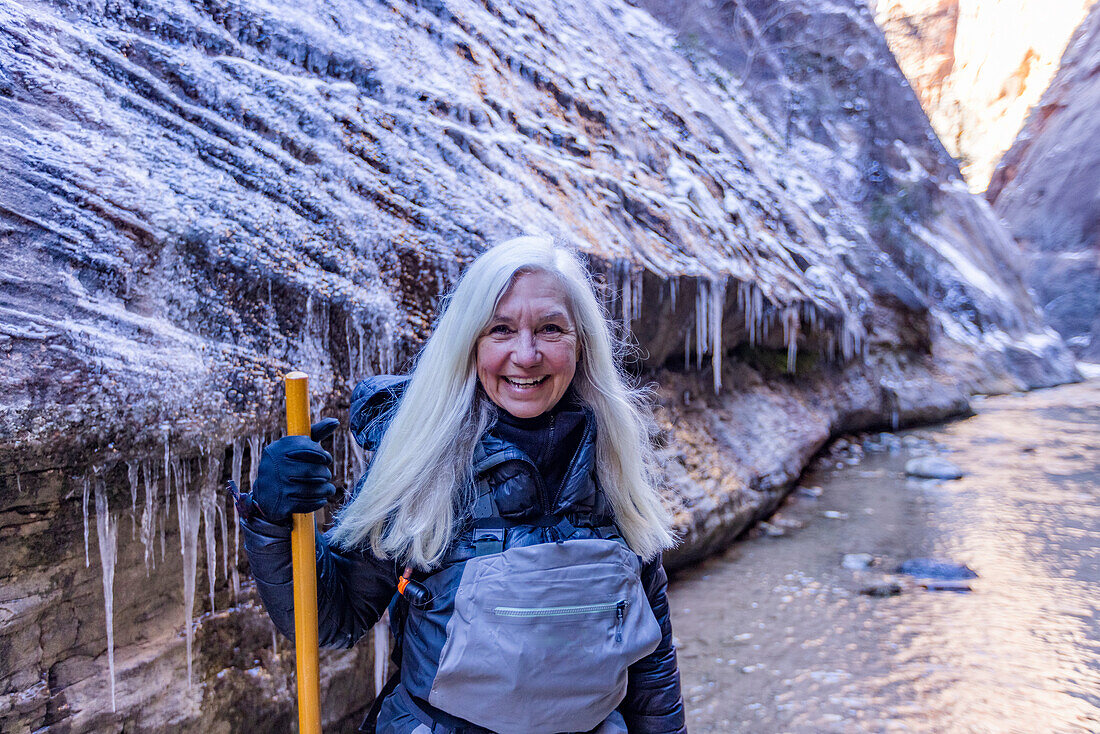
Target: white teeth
<point>524,383</point>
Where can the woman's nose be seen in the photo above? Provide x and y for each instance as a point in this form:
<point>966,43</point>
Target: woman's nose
<point>526,352</point>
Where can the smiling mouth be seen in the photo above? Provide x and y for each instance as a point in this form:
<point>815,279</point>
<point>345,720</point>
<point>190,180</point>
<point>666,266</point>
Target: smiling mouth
<point>523,383</point>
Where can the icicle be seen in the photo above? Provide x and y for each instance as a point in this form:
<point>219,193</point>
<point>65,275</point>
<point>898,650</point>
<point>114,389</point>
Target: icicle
<point>208,499</point>
<point>187,511</point>
<point>219,509</point>
<point>672,281</point>
<point>702,320</point>
<point>360,457</point>
<point>751,301</point>
<point>167,481</point>
<point>107,530</point>
<point>274,642</point>
<point>717,304</point>
<point>132,475</point>
<point>307,325</point>
<point>19,483</point>
<point>362,363</point>
<point>381,651</point>
<point>636,280</point>
<point>347,339</point>
<point>161,523</point>
<point>626,286</point>
<point>238,459</point>
<point>87,563</point>
<point>388,361</point>
<point>790,336</point>
<point>149,512</point>
<point>254,442</point>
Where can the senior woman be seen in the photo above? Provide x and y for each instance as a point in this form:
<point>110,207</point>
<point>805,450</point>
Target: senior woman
<point>511,488</point>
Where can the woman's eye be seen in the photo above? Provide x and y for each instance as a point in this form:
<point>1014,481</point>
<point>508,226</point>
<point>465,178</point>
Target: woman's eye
<point>553,329</point>
<point>500,329</point>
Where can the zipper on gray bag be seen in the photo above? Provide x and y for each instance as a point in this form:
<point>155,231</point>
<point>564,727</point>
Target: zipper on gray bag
<point>619,607</point>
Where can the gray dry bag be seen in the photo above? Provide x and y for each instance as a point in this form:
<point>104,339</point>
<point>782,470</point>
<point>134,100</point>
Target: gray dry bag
<point>541,636</point>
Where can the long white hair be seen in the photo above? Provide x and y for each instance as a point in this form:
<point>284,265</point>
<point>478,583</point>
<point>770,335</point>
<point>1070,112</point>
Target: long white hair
<point>418,482</point>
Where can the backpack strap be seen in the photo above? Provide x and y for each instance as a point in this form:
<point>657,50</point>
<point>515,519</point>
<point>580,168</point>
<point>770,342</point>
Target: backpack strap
<point>490,530</point>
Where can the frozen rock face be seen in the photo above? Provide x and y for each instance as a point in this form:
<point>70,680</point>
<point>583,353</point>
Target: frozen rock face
<point>1046,189</point>
<point>978,66</point>
<point>196,198</point>
<point>831,96</point>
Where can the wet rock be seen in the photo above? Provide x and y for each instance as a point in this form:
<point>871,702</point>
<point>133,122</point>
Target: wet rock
<point>810,492</point>
<point>1040,187</point>
<point>931,568</point>
<point>932,467</point>
<point>813,99</point>
<point>857,561</point>
<point>787,523</point>
<point>881,589</point>
<point>772,531</point>
<point>959,585</point>
<point>835,515</point>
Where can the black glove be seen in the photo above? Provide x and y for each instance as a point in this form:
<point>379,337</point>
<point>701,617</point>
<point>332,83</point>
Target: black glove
<point>295,474</point>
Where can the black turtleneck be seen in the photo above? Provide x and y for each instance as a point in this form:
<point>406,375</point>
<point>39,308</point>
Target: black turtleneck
<point>550,440</point>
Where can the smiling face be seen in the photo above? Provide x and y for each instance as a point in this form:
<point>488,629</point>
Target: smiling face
<point>527,354</point>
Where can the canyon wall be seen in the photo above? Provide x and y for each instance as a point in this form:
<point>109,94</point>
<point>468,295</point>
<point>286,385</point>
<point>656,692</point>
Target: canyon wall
<point>199,196</point>
<point>1048,190</point>
<point>978,66</point>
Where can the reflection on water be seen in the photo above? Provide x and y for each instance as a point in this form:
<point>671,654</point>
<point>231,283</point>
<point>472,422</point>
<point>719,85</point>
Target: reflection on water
<point>775,635</point>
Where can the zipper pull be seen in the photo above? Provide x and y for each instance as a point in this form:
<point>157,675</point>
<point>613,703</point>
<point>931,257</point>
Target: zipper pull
<point>619,609</point>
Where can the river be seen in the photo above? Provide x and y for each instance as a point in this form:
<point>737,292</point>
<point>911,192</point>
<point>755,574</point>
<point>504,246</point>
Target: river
<point>775,635</point>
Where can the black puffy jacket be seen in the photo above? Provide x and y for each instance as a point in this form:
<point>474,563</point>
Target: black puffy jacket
<point>355,587</point>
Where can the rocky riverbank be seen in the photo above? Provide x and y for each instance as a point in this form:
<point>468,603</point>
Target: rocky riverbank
<point>808,626</point>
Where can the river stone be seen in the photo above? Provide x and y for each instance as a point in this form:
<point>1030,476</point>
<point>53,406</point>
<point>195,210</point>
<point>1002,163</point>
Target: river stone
<point>932,467</point>
<point>946,584</point>
<point>856,561</point>
<point>882,589</point>
<point>930,568</point>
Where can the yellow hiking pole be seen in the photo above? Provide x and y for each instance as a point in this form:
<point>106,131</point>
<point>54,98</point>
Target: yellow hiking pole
<point>304,558</point>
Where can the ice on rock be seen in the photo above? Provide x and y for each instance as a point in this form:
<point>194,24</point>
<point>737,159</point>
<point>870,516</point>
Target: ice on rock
<point>254,443</point>
<point>235,473</point>
<point>188,509</point>
<point>167,475</point>
<point>208,500</point>
<point>149,512</point>
<point>710,297</point>
<point>360,456</point>
<point>132,476</point>
<point>790,336</point>
<point>751,301</point>
<point>84,505</point>
<point>219,509</point>
<point>107,530</point>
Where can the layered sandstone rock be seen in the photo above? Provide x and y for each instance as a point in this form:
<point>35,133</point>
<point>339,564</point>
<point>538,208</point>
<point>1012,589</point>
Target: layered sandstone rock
<point>197,197</point>
<point>978,66</point>
<point>1048,190</point>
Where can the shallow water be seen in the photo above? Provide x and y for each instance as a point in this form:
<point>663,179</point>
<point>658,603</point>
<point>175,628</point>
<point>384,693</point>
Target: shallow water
<point>775,636</point>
